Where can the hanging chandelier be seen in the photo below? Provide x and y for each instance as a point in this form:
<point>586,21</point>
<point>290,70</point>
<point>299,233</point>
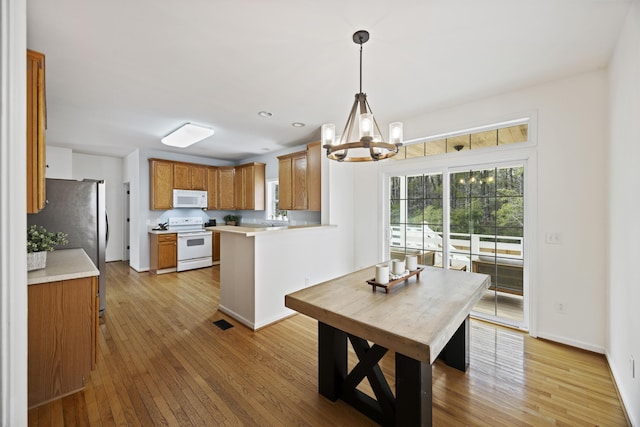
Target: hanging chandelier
<point>369,144</point>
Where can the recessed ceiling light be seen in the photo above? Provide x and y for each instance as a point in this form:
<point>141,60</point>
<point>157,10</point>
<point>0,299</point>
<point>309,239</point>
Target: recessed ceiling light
<point>186,135</point>
<point>264,113</point>
<point>297,125</point>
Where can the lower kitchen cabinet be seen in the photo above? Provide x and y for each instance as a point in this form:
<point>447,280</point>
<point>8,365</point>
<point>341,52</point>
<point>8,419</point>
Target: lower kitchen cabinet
<point>163,252</point>
<point>215,241</point>
<point>62,337</point>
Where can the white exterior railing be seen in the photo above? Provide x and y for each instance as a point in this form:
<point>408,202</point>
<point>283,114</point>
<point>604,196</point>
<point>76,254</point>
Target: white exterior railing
<point>462,246</point>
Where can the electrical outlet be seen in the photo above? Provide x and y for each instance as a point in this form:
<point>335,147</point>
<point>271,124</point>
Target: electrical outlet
<point>306,281</point>
<point>561,308</point>
<point>553,238</point>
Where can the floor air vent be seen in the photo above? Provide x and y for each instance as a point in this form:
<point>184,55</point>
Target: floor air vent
<point>223,324</point>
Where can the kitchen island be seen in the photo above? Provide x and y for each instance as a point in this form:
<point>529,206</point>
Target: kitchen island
<point>63,325</point>
<point>260,265</point>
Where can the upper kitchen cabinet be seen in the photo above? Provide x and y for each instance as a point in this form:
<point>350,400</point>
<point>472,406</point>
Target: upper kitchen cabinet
<point>292,181</point>
<point>299,178</point>
<point>187,176</point>
<point>250,186</point>
<point>161,183</point>
<point>36,124</point>
<point>226,186</point>
<point>212,187</point>
<point>314,181</point>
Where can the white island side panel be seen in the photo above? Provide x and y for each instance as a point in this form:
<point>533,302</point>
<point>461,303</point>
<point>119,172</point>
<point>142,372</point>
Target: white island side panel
<point>237,277</point>
<point>288,262</point>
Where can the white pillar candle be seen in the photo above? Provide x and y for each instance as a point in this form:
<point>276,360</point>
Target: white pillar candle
<point>382,274</point>
<point>412,262</point>
<point>398,267</point>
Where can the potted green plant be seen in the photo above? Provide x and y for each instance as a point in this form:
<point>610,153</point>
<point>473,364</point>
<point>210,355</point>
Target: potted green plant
<point>39,242</point>
<point>231,219</point>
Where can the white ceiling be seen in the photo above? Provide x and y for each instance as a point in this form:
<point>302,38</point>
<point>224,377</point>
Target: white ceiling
<point>121,74</point>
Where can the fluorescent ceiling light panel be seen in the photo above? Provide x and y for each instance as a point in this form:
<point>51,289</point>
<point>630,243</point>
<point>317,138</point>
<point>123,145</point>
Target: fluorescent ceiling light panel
<point>186,135</point>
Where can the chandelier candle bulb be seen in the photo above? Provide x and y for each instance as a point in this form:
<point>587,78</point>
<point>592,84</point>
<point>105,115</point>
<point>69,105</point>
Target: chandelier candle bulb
<point>328,134</point>
<point>395,133</point>
<point>366,125</point>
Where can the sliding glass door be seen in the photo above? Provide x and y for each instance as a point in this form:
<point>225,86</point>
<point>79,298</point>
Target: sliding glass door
<point>416,217</point>
<point>486,223</point>
<point>473,219</point>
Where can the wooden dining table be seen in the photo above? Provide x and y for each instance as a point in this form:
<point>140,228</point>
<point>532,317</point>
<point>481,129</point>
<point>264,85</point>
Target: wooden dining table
<point>425,318</point>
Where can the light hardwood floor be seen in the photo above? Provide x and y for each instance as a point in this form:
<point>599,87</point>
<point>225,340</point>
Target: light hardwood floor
<point>163,362</point>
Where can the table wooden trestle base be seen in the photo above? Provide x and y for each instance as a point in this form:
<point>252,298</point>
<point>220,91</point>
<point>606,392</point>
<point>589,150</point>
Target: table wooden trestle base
<point>412,403</point>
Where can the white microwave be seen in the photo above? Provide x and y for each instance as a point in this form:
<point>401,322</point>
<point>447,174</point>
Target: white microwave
<point>189,199</point>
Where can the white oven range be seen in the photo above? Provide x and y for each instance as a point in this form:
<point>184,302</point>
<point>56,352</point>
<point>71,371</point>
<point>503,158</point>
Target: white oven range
<point>194,243</point>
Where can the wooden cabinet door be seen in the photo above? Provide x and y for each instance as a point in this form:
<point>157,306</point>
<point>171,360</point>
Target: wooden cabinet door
<point>167,251</point>
<point>36,123</point>
<point>212,188</point>
<point>239,188</point>
<point>258,186</point>
<point>250,186</point>
<point>226,186</point>
<point>60,337</point>
<point>198,177</point>
<point>292,184</point>
<point>182,176</point>
<point>285,190</point>
<point>161,181</point>
<point>215,241</point>
<point>299,181</point>
<point>314,182</point>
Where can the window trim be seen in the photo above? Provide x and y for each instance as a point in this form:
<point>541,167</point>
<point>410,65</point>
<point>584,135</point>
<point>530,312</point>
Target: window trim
<point>269,213</point>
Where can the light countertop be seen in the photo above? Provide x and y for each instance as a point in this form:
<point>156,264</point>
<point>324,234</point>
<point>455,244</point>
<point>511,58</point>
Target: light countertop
<point>257,230</point>
<point>152,231</point>
<point>64,264</point>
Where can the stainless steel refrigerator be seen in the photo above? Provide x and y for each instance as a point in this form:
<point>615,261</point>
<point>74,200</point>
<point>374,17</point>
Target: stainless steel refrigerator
<point>78,209</point>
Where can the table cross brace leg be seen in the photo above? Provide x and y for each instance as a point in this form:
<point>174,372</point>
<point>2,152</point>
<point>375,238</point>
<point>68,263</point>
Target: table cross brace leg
<point>412,404</point>
<point>383,407</point>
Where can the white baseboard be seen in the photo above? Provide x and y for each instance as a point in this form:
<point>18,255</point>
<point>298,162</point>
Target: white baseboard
<point>572,343</point>
<point>237,317</point>
<point>257,325</point>
<point>626,402</point>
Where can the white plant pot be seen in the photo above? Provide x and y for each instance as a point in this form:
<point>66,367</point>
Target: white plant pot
<point>36,260</point>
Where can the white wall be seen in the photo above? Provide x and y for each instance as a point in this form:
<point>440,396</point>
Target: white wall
<point>367,207</point>
<point>59,162</point>
<point>624,205</point>
<point>572,170</point>
<point>109,169</point>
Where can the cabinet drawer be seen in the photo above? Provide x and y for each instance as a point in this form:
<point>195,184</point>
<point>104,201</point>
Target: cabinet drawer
<point>172,237</point>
